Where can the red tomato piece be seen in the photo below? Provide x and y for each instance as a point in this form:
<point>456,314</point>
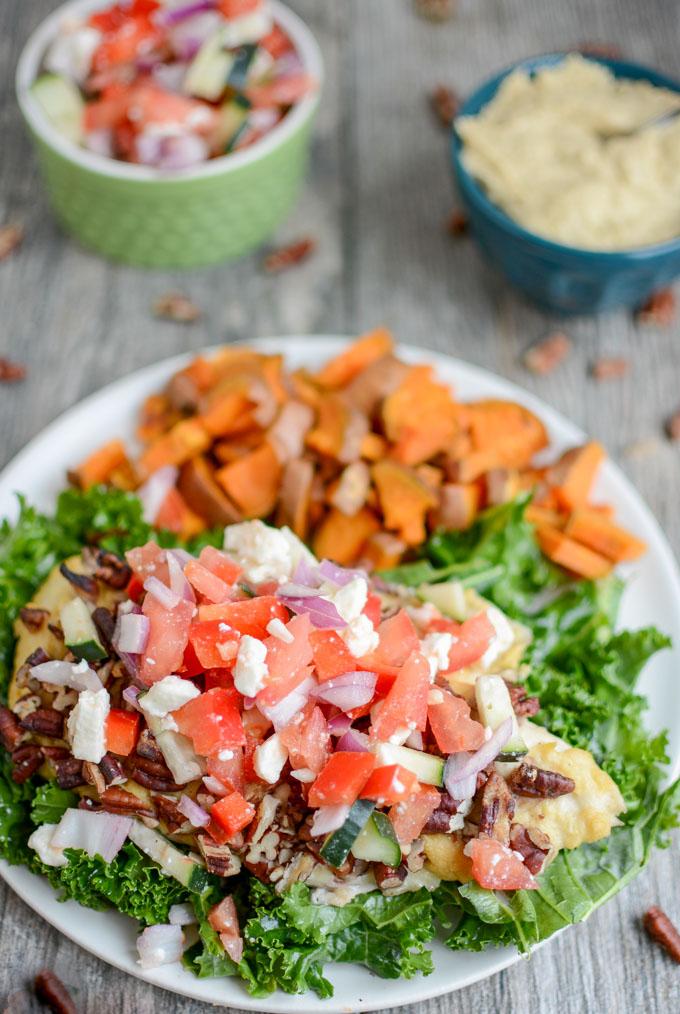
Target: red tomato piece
<point>223,918</point>
<point>168,638</point>
<point>237,8</point>
<point>276,42</point>
<point>222,678</point>
<point>287,659</point>
<point>332,657</point>
<point>122,731</point>
<point>206,583</point>
<point>410,817</point>
<point>406,701</point>
<point>215,643</point>
<point>152,104</point>
<point>232,813</point>
<point>451,725</point>
<point>135,588</point>
<point>133,38</point>
<point>105,113</point>
<point>373,609</point>
<point>149,561</point>
<point>229,771</point>
<point>282,92</point>
<point>249,616</point>
<point>191,664</point>
<point>398,638</point>
<point>307,740</point>
<point>220,564</point>
<point>211,721</point>
<point>497,868</point>
<point>342,778</point>
<point>471,639</point>
<point>390,784</point>
<point>275,692</point>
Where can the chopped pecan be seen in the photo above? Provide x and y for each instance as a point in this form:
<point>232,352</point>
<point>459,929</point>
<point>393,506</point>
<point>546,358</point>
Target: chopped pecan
<point>11,372</point>
<point>435,10</point>
<point>53,753</point>
<point>157,768</point>
<point>288,256</point>
<point>11,236</point>
<point>117,800</point>
<point>93,776</point>
<point>659,310</point>
<point>457,223</point>
<point>169,813</point>
<point>610,368</point>
<point>547,354</point>
<point>607,50</point>
<point>175,306</point>
<point>25,762</point>
<point>26,705</point>
<point>155,782</point>
<point>146,747</point>
<point>661,929</point>
<point>521,703</point>
<point>105,623</point>
<point>219,859</point>
<point>10,732</point>
<point>438,822</point>
<point>112,770</point>
<point>387,877</point>
<point>33,618</point>
<point>111,569</point>
<point>673,426</point>
<point>81,582</point>
<point>497,809</point>
<point>445,104</point>
<point>531,844</point>
<point>52,991</point>
<point>37,657</point>
<point>69,772</point>
<point>44,722</point>
<point>539,783</point>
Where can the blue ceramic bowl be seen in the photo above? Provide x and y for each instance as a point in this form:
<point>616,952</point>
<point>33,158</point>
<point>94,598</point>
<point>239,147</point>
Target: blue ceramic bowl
<point>561,278</point>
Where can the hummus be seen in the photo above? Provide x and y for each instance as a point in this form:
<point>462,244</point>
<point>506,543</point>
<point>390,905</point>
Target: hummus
<point>540,151</point>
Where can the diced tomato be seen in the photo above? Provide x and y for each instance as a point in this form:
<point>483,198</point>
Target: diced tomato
<point>136,36</point>
<point>497,868</point>
<point>206,583</point>
<point>232,813</point>
<point>307,740</point>
<point>107,112</point>
<point>275,692</point>
<point>250,616</point>
<point>152,104</point>
<point>225,679</point>
<point>390,784</point>
<point>286,659</point>
<point>237,8</point>
<point>373,609</point>
<point>215,643</point>
<point>135,588</point>
<point>217,832</point>
<point>332,657</point>
<point>282,92</point>
<point>410,817</point>
<point>451,725</point>
<point>406,701</point>
<point>168,638</point>
<point>149,561</point>
<point>220,564</point>
<point>276,42</point>
<point>398,638</point>
<point>342,778</point>
<point>116,15</point>
<point>471,639</point>
<point>229,771</point>
<point>191,664</point>
<point>122,731</point>
<point>223,918</point>
<point>211,721</point>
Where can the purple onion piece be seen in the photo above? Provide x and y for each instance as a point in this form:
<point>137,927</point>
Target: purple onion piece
<point>322,613</point>
<point>353,741</point>
<point>164,595</point>
<point>339,575</point>
<point>195,814</point>
<point>461,769</point>
<point>176,15</point>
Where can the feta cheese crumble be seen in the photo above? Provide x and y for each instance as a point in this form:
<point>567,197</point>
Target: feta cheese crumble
<point>503,638</point>
<point>269,759</point>
<point>436,647</point>
<point>167,695</point>
<point>71,53</point>
<point>251,668</point>
<point>279,630</point>
<point>360,636</point>
<point>264,553</point>
<point>350,599</point>
<point>87,725</point>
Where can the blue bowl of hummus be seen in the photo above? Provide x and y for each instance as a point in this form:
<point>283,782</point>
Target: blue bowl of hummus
<point>569,170</point>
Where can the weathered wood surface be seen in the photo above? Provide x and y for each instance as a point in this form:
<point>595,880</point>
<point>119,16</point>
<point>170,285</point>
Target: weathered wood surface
<point>377,199</point>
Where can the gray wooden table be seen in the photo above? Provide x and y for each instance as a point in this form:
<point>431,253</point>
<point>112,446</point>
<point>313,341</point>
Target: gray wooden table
<point>378,196</point>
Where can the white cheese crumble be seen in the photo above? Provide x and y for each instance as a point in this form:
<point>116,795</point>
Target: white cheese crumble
<point>503,638</point>
<point>251,668</point>
<point>400,735</point>
<point>87,725</point>
<point>350,599</point>
<point>269,759</point>
<point>436,647</point>
<point>41,842</point>
<point>266,554</point>
<point>167,695</point>
<point>71,53</point>
<point>360,636</point>
<point>278,629</point>
<point>303,775</point>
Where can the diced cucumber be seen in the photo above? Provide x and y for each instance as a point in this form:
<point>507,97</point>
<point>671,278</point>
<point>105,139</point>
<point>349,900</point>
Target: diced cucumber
<point>174,863</point>
<point>427,768</point>
<point>495,707</point>
<point>243,60</point>
<point>80,633</point>
<point>338,844</point>
<point>233,120</point>
<point>62,103</point>
<point>207,75</point>
<point>377,842</point>
<point>448,597</point>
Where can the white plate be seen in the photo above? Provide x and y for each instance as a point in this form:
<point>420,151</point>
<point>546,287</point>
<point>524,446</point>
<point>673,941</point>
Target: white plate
<point>653,596</point>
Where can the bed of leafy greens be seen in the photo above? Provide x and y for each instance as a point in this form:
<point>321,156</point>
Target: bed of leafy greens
<point>584,672</point>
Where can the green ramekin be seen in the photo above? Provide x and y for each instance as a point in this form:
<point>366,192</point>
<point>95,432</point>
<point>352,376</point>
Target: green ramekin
<point>220,210</point>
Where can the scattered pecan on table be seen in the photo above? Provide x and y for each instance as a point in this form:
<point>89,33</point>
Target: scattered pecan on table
<point>659,310</point>
<point>176,306</point>
<point>539,783</point>
<point>11,372</point>
<point>662,930</point>
<point>547,354</point>
<point>11,236</point>
<point>673,426</point>
<point>607,50</point>
<point>288,256</point>
<point>445,104</point>
<point>610,368</point>
<point>457,223</point>
<point>435,10</point>
<point>52,991</point>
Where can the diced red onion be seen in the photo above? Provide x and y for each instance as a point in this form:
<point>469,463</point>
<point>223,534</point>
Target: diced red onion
<point>100,142</point>
<point>98,834</point>
<point>130,694</point>
<point>339,724</point>
<point>461,769</point>
<point>213,785</point>
<point>182,915</point>
<point>281,713</point>
<point>293,590</point>
<point>306,574</point>
<point>160,945</point>
<point>194,813</point>
<point>182,556</point>
<point>132,633</point>
<point>179,583</point>
<point>322,613</point>
<point>175,15</point>
<point>353,741</point>
<point>170,76</point>
<point>329,818</point>
<point>349,691</point>
<point>166,596</point>
<point>153,492</point>
<point>183,151</point>
<point>339,575</point>
<point>415,740</point>
<point>289,63</point>
<point>66,674</point>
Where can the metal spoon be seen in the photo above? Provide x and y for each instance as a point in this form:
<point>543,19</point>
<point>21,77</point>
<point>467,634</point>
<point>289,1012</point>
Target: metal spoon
<point>656,121</point>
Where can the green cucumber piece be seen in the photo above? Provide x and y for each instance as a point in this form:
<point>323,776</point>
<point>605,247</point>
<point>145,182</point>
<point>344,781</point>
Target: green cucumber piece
<point>495,707</point>
<point>448,597</point>
<point>207,75</point>
<point>427,768</point>
<point>338,844</point>
<point>232,122</point>
<point>243,59</point>
<point>62,104</point>
<point>377,842</point>
<point>174,863</point>
<point>80,633</point>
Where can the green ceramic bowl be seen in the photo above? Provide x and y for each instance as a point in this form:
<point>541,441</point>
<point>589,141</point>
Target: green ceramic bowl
<point>218,211</point>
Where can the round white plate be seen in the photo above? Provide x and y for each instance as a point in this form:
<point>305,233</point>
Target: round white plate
<point>652,597</point>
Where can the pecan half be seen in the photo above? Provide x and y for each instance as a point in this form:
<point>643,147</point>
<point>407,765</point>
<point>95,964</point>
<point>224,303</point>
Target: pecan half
<point>168,811</point>
<point>521,704</point>
<point>531,844</point>
<point>539,783</point>
<point>10,732</point>
<point>445,104</point>
<point>661,929</point>
<point>33,618</point>
<point>81,582</point>
<point>176,306</point>
<point>219,859</point>
<point>112,770</point>
<point>146,747</point>
<point>69,772</point>
<point>44,722</point>
<point>387,877</point>
<point>547,354</point>
<point>116,800</point>
<point>673,426</point>
<point>53,753</point>
<point>610,368</point>
<point>105,624</point>
<point>288,256</point>
<point>52,991</point>
<point>497,809</point>
<point>25,762</point>
<point>660,309</point>
<point>37,657</point>
<point>10,372</point>
<point>11,236</point>
<point>155,782</point>
<point>457,223</point>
